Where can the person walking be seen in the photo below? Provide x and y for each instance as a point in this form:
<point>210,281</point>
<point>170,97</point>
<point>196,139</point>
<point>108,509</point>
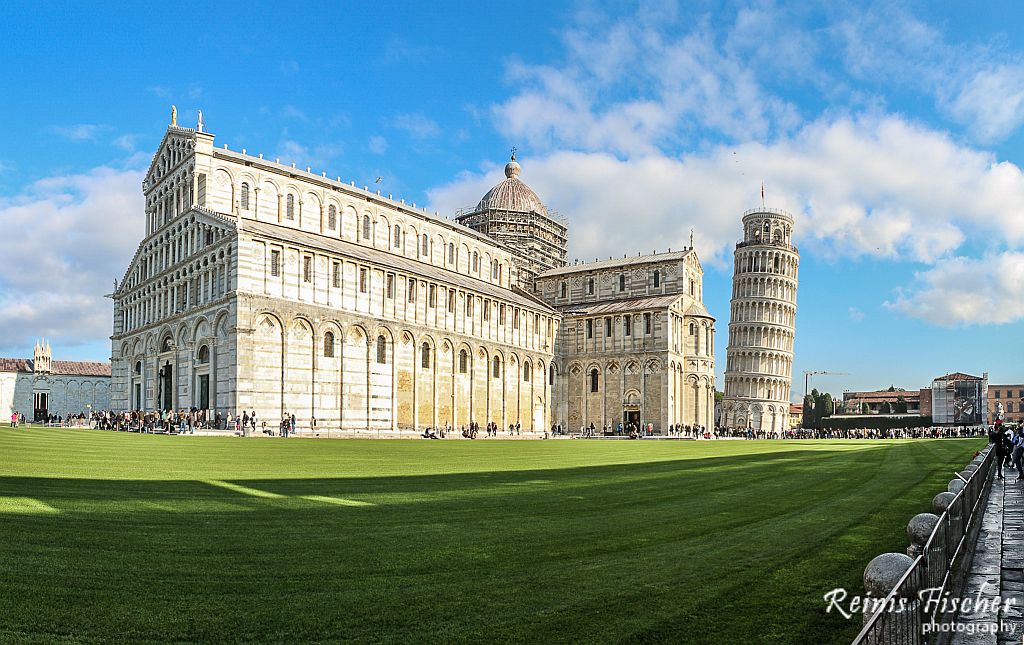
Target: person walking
<point>998,437</point>
<point>1018,453</point>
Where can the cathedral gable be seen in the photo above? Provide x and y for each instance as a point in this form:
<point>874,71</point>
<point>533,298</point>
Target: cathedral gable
<point>177,145</point>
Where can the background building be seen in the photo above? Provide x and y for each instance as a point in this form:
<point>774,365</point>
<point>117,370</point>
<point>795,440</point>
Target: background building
<point>1012,399</point>
<point>762,318</point>
<point>890,401</point>
<point>959,399</point>
<point>796,416</point>
<point>42,387</point>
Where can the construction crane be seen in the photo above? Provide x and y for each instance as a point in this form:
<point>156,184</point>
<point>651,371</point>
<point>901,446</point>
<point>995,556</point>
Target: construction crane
<point>809,373</point>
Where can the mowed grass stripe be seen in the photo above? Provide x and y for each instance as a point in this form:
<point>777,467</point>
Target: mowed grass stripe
<point>535,541</point>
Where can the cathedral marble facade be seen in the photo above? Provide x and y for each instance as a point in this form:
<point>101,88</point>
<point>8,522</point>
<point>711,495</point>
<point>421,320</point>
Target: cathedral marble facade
<point>636,345</point>
<point>265,287</point>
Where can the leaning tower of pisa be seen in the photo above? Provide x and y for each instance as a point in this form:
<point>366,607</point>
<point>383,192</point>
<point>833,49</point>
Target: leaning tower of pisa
<point>759,358</point>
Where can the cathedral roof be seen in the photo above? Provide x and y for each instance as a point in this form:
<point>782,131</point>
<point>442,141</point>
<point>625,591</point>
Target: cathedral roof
<point>512,194</point>
<point>80,368</point>
<point>69,368</point>
<point>698,309</point>
<point>15,365</point>
<point>612,263</point>
<point>396,262</point>
<point>621,306</point>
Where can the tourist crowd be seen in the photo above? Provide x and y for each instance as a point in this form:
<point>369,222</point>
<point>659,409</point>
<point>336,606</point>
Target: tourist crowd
<point>247,422</point>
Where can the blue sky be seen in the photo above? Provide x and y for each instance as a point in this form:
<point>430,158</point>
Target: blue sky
<point>892,131</point>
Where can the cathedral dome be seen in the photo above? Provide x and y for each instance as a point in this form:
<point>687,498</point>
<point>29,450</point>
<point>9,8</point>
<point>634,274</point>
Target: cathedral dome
<point>512,194</point>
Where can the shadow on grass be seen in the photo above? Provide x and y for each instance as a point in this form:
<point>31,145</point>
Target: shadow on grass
<point>692,550</point>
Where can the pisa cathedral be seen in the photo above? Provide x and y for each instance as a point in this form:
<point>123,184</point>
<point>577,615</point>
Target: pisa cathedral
<point>261,286</point>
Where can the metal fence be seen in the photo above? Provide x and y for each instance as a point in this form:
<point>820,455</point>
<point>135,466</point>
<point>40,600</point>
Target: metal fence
<point>912,613</point>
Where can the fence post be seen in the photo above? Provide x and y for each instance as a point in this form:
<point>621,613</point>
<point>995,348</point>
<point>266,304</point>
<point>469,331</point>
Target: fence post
<point>919,529</point>
<point>898,622</point>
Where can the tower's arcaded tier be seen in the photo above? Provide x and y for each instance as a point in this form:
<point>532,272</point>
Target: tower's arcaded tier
<point>759,358</point>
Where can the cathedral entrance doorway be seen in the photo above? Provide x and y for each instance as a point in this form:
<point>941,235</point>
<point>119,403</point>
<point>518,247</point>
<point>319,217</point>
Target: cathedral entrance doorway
<point>631,417</point>
<point>165,388</point>
<point>204,392</point>
<point>41,406</point>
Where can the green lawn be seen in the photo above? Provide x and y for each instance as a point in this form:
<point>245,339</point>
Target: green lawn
<point>108,536</point>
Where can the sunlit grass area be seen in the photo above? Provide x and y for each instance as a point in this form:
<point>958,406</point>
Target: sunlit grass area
<point>109,536</point>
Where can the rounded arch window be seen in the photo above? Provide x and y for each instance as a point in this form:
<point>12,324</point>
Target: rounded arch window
<point>425,355</point>
<point>398,236</point>
<point>332,217</point>
<point>594,380</point>
<point>245,196</point>
<point>165,346</point>
<point>366,227</point>
<point>551,375</point>
<point>497,367</point>
<point>138,367</point>
<point>463,361</point>
<point>382,349</point>
<point>290,206</point>
<point>526,371</point>
<point>204,355</point>
<point>329,345</point>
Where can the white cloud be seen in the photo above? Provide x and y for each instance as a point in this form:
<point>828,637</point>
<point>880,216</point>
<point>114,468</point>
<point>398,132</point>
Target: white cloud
<point>417,125</point>
<point>126,142</point>
<point>992,102</point>
<point>79,132</point>
<point>856,315</point>
<point>291,151</point>
<point>70,237</point>
<point>965,291</point>
<point>870,187</point>
<point>977,84</point>
<point>632,89</point>
<point>377,144</point>
<point>607,123</point>
<point>192,90</point>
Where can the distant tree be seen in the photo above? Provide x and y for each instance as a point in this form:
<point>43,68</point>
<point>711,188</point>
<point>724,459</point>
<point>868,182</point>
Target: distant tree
<point>817,406</point>
<point>886,408</point>
<point>827,407</point>
<point>901,405</point>
<point>719,396</point>
<point>808,420</point>
<point>864,408</point>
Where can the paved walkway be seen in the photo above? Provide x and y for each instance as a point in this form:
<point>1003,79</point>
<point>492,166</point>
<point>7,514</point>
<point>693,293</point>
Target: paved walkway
<point>997,570</point>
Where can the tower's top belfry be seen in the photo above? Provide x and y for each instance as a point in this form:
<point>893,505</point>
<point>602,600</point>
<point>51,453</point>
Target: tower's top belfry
<point>768,227</point>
